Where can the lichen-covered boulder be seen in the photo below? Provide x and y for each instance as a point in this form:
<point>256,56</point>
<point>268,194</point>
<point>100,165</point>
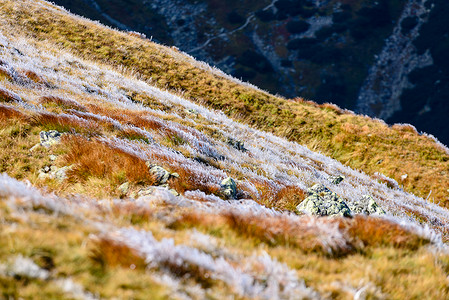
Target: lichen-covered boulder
<point>322,202</point>
<point>49,138</point>
<point>162,175</point>
<point>148,191</point>
<point>228,188</point>
<point>336,179</point>
<point>123,189</point>
<point>366,206</point>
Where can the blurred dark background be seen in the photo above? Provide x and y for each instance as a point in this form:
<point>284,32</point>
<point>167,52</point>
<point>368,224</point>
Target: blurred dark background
<point>383,58</point>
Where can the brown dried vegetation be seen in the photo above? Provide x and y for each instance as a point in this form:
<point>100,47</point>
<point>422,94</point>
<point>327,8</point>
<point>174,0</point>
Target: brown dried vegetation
<point>8,96</point>
<point>93,158</point>
<point>109,253</point>
<point>359,233</point>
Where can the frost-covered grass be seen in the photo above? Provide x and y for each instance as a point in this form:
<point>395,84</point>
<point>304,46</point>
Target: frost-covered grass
<point>196,244</point>
<point>330,130</point>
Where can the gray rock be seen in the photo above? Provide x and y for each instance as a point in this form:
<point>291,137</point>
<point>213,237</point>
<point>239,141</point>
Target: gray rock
<point>336,179</point>
<point>239,145</point>
<point>191,111</point>
<point>162,175</point>
<point>366,206</point>
<point>148,191</point>
<point>322,202</point>
<point>123,189</point>
<point>52,157</point>
<point>49,138</point>
<point>61,173</point>
<point>228,188</point>
<point>317,189</point>
<point>53,172</point>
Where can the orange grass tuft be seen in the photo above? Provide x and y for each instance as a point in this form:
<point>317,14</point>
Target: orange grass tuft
<point>93,158</point>
<point>8,96</point>
<point>375,232</point>
<point>358,233</point>
<point>8,112</point>
<point>34,77</point>
<point>109,253</point>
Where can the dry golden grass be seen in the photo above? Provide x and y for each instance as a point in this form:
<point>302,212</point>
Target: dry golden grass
<point>302,121</point>
<point>61,102</point>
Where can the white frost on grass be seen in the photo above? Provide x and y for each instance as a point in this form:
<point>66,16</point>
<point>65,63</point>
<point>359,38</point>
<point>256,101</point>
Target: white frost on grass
<point>273,280</point>
<point>269,159</point>
<point>23,267</point>
<point>74,289</point>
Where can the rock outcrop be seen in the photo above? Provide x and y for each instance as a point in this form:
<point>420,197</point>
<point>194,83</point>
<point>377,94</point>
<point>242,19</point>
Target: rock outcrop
<point>228,188</point>
<point>161,175</point>
<point>322,202</point>
<point>366,206</point>
<point>49,138</point>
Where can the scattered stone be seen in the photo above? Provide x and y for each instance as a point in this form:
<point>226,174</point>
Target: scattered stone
<point>317,189</point>
<point>322,202</point>
<point>366,206</point>
<point>61,173</point>
<point>53,172</point>
<point>49,138</point>
<point>162,175</point>
<point>404,177</point>
<point>239,145</point>
<point>228,188</point>
<point>174,192</point>
<point>148,191</point>
<point>192,111</point>
<point>52,157</point>
<point>336,179</point>
<point>123,189</point>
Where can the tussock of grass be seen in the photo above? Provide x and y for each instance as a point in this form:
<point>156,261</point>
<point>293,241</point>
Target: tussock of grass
<point>8,112</point>
<point>34,77</point>
<point>358,234</point>
<point>376,232</point>
<point>93,158</point>
<point>61,102</point>
<point>108,253</point>
<point>8,96</point>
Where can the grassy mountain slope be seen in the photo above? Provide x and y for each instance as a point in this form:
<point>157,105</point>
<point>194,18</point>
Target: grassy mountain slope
<point>359,142</point>
<point>86,217</point>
